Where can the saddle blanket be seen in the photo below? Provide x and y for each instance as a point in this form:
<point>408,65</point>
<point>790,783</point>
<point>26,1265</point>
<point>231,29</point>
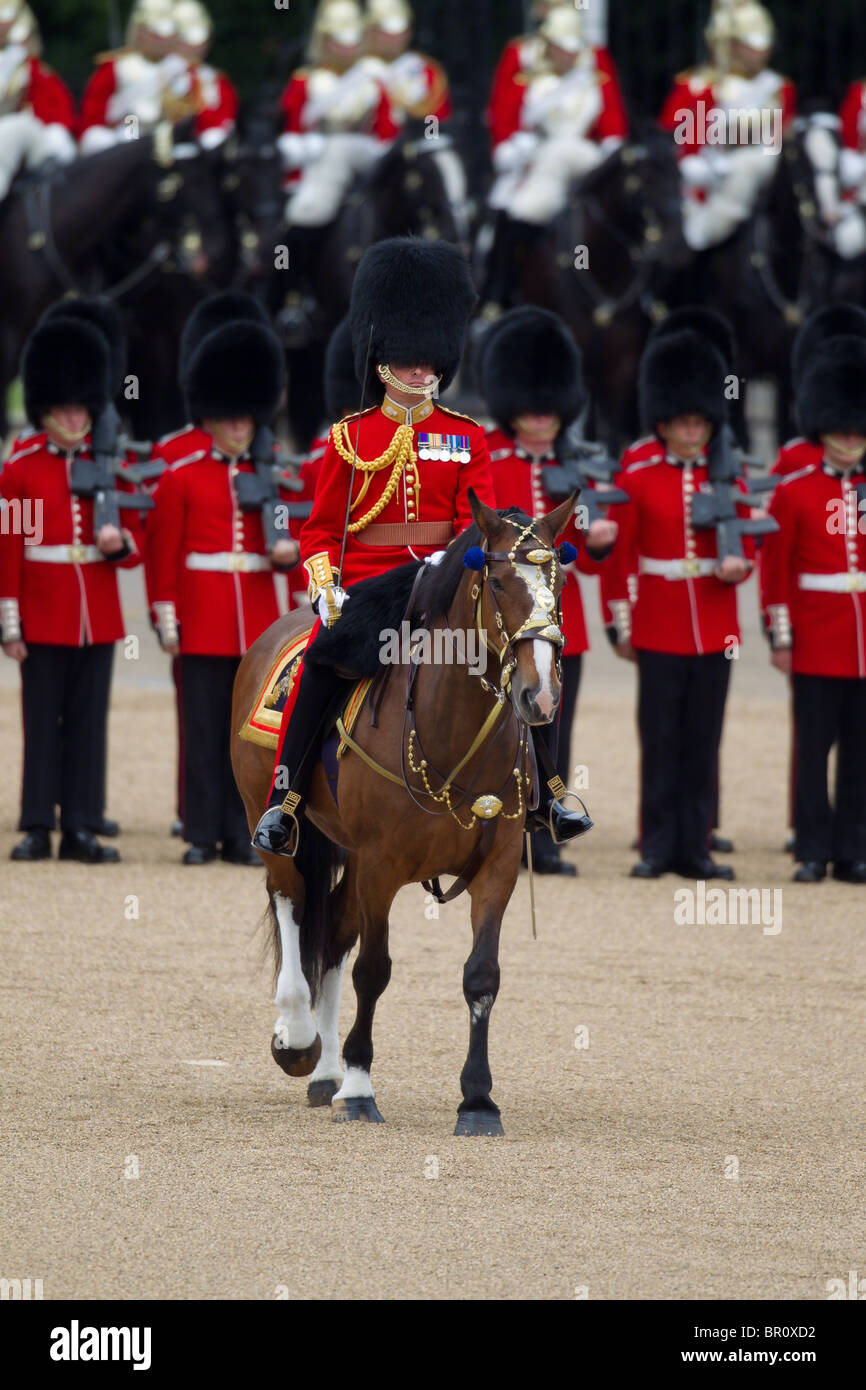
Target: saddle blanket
<point>277,691</point>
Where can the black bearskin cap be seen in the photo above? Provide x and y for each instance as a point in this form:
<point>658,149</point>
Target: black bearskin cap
<point>831,396</point>
<point>699,319</point>
<point>683,374</point>
<point>238,369</point>
<point>229,306</point>
<point>830,321</point>
<point>342,387</point>
<point>418,296</point>
<point>65,362</point>
<point>103,314</point>
<point>529,363</point>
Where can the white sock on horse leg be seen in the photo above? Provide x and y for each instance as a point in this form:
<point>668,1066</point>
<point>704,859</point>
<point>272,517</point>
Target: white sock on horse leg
<point>356,1083</point>
<point>295,1027</point>
<point>328,1019</point>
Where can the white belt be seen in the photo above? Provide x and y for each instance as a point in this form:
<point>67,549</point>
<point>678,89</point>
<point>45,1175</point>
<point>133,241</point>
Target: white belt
<point>676,569</point>
<point>851,582</point>
<point>229,562</point>
<point>64,554</point>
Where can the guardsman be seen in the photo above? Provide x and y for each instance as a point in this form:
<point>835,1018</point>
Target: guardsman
<point>813,592</point>
<point>682,628</point>
<point>416,84</point>
<point>338,119</point>
<point>570,116</point>
<point>522,59</point>
<point>728,119</point>
<point>409,476</point>
<point>213,95</point>
<point>827,322</point>
<point>530,377</point>
<point>211,580</point>
<point>59,600</point>
<point>37,113</point>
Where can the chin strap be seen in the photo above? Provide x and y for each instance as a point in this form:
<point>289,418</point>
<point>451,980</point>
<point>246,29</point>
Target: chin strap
<point>385,374</point>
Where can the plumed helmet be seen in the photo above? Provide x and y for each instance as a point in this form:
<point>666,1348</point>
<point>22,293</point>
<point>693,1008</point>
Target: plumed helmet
<point>563,27</point>
<point>417,297</point>
<point>104,315</point>
<point>66,362</point>
<point>682,374</point>
<point>827,322</point>
<point>391,16</point>
<point>831,394</point>
<point>530,364</point>
<point>238,369</point>
<point>342,388</point>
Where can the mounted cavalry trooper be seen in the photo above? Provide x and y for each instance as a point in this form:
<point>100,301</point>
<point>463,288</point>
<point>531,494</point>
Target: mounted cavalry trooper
<point>813,593</point>
<point>403,470</point>
<point>728,120</point>
<point>338,119</point>
<point>570,117</point>
<point>522,59</point>
<point>530,377</point>
<point>37,113</point>
<point>159,75</point>
<point>59,600</point>
<point>211,579</point>
<point>683,622</point>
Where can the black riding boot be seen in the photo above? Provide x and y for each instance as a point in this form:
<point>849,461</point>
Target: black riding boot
<point>320,695</point>
<point>294,319</point>
<point>512,242</point>
<point>550,814</point>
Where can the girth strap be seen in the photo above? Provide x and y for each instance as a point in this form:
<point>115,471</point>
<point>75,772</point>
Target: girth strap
<point>469,870</point>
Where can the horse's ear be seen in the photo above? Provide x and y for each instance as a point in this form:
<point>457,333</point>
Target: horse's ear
<point>556,521</point>
<point>486,519</point>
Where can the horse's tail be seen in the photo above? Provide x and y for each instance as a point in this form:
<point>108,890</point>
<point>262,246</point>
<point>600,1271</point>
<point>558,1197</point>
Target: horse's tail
<point>320,863</point>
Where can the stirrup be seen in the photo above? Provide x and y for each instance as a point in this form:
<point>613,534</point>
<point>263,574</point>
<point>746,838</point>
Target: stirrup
<point>560,793</point>
<point>286,812</point>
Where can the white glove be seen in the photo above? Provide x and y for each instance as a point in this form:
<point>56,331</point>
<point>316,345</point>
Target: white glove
<point>695,171</point>
<point>330,604</point>
<point>517,150</point>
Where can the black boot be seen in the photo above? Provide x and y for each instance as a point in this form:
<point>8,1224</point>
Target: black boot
<point>551,815</point>
<point>320,695</point>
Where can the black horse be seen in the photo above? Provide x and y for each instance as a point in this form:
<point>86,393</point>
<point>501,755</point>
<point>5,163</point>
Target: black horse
<point>118,222</point>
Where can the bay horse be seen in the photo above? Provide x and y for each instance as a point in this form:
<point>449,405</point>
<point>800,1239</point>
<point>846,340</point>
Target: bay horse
<point>397,817</point>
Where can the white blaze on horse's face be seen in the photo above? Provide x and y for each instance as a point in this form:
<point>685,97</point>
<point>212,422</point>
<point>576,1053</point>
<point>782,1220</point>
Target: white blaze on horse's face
<point>535,685</point>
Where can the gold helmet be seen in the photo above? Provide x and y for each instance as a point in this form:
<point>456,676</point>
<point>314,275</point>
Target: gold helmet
<point>753,26</point>
<point>25,31</point>
<point>340,20</point>
<point>563,28</point>
<point>193,25</point>
<point>391,16</point>
<point>10,12</point>
<point>155,17</point>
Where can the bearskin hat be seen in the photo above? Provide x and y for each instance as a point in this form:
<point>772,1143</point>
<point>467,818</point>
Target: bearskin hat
<point>831,393</point>
<point>65,362</point>
<point>416,296</point>
<point>707,322</point>
<point>342,387</point>
<point>830,321</point>
<point>682,374</point>
<point>529,363</point>
<point>103,314</point>
<point>238,369</point>
<point>229,306</point>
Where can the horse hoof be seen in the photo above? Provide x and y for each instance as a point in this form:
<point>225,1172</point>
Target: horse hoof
<point>321,1092</point>
<point>479,1122</point>
<point>296,1061</point>
<point>356,1108</point>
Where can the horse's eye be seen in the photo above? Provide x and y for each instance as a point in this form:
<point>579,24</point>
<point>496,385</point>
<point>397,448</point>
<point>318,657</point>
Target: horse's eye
<point>497,586</point>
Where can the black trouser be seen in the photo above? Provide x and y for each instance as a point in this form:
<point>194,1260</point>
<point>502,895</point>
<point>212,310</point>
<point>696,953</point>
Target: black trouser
<point>65,694</point>
<point>320,694</point>
<point>828,710</point>
<point>681,706</point>
<point>556,737</point>
<point>213,810</point>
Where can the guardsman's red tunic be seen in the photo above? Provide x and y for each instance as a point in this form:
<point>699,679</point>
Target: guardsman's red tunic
<point>813,571</point>
<point>796,454</point>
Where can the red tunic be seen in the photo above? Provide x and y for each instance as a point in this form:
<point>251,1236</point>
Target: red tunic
<point>220,99</point>
<point>517,481</point>
<point>198,523</point>
<point>505,116</point>
<point>684,616</point>
<point>294,100</point>
<point>440,494</point>
<point>796,454</point>
<point>853,117</point>
<point>519,58</point>
<point>822,533</point>
<point>70,602</point>
<point>698,86</point>
<point>47,96</point>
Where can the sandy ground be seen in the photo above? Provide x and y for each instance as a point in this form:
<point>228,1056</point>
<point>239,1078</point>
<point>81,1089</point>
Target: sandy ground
<point>706,1143</point>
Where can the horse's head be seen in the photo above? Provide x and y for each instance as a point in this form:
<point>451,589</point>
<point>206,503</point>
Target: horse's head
<point>408,186</point>
<point>517,596</point>
<point>252,184</point>
<point>645,192</point>
<point>188,204</point>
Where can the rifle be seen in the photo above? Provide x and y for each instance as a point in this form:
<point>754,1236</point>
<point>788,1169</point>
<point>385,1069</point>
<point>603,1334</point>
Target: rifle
<point>259,491</point>
<point>717,509</point>
<point>582,463</point>
<point>96,478</point>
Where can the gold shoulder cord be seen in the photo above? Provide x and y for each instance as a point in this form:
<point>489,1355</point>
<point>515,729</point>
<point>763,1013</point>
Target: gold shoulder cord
<point>398,455</point>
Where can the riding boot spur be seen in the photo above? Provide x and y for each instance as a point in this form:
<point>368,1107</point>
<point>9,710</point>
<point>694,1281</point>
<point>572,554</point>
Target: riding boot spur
<point>320,694</point>
<point>551,814</point>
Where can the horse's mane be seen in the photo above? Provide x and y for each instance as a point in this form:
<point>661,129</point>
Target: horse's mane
<point>440,582</point>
